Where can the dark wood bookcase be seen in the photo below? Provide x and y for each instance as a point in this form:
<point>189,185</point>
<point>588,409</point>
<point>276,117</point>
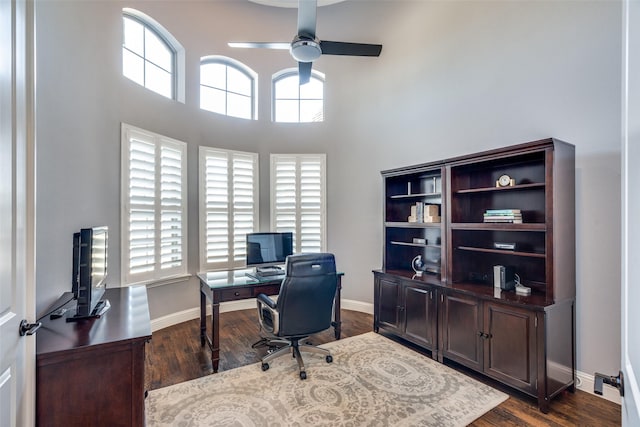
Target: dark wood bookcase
<point>453,308</point>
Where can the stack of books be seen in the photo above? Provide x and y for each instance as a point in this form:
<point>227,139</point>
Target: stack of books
<point>513,216</point>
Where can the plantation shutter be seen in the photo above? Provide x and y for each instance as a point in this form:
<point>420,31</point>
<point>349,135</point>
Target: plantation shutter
<point>141,207</point>
<point>228,206</point>
<point>298,201</point>
<point>171,200</point>
<point>154,206</point>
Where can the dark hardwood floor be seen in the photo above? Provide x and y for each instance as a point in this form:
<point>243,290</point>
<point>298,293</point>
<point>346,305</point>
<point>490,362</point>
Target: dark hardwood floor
<point>175,355</point>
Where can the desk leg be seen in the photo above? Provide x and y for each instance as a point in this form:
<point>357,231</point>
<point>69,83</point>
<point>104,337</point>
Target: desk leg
<point>215,331</point>
<point>337,324</point>
<point>203,319</point>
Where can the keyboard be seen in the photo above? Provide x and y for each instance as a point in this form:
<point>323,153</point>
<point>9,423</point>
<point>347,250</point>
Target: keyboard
<point>270,272</point>
<point>266,272</point>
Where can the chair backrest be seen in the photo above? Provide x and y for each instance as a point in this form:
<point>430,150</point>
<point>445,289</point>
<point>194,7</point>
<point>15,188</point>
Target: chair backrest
<point>305,302</point>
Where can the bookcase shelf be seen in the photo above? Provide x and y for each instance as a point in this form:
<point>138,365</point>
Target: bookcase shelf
<point>453,309</point>
<point>417,245</point>
<point>414,224</point>
<point>410,196</point>
<point>490,189</point>
<point>498,226</point>
<point>501,251</point>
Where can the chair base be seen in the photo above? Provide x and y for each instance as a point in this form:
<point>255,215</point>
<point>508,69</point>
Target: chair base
<point>294,346</point>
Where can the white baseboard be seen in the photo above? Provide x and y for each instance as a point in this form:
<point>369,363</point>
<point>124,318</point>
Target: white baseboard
<point>584,381</point>
<point>194,313</point>
<point>246,304</point>
<point>362,307</point>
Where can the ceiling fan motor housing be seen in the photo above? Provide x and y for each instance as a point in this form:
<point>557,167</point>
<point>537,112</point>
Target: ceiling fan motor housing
<point>305,49</point>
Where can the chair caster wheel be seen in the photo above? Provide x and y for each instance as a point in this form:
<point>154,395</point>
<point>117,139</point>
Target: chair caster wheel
<point>303,375</point>
<point>265,366</point>
<point>329,359</point>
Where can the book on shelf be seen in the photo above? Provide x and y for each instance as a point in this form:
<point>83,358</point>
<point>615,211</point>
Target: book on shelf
<point>511,220</point>
<point>420,211</point>
<point>503,212</point>
<point>503,221</point>
<point>503,215</point>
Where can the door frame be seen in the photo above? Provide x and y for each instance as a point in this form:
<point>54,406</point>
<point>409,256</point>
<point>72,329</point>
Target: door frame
<point>630,236</point>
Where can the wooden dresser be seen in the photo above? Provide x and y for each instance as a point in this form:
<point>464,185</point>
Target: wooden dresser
<point>91,373</point>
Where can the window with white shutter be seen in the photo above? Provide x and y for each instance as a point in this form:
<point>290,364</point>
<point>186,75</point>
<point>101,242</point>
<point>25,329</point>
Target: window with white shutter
<point>298,199</point>
<point>228,206</point>
<point>154,206</point>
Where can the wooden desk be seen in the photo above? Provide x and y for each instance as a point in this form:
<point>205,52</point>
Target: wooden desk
<point>91,373</point>
<point>233,285</point>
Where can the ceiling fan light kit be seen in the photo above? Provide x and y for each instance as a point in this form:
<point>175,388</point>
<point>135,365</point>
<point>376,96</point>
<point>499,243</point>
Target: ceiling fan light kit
<point>306,48</point>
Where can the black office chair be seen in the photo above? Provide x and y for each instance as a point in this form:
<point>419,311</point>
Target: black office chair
<point>304,307</point>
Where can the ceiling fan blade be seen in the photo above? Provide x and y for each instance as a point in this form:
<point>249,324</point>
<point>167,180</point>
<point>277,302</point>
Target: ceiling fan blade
<point>263,45</point>
<point>351,49</point>
<point>307,17</point>
<point>304,72</point>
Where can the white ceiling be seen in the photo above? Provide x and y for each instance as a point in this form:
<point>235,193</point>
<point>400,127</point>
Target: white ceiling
<point>292,3</point>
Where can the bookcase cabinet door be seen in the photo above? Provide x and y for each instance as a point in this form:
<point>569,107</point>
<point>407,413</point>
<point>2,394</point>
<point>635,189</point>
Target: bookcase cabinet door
<point>510,345</point>
<point>419,316</point>
<point>387,303</point>
<point>461,330</point>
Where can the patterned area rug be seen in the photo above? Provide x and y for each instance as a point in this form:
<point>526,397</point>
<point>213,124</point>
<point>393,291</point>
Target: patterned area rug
<point>373,381</point>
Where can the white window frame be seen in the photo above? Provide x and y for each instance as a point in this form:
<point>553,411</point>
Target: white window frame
<point>293,72</point>
<point>157,274</point>
<point>178,77</point>
<point>239,66</point>
<point>298,210</point>
<point>235,240</point>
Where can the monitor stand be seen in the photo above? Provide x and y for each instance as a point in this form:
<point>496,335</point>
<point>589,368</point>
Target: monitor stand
<point>101,308</point>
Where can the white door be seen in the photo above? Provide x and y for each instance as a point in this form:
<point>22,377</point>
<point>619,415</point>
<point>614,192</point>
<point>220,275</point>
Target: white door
<point>630,350</point>
<point>17,354</point>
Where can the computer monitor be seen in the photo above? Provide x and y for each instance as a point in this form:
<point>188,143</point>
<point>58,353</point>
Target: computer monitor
<point>268,249</point>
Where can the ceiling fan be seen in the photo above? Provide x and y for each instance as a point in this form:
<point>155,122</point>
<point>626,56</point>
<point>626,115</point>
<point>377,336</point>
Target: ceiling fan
<point>306,47</point>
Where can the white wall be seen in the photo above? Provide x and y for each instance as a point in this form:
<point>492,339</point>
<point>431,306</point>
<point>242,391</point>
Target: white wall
<point>453,78</point>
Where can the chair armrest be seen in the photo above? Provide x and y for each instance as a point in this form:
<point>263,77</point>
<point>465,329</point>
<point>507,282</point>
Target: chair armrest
<point>267,307</point>
<point>266,300</point>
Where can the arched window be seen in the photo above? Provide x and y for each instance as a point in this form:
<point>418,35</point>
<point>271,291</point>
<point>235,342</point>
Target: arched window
<point>295,103</point>
<point>151,56</point>
<point>228,87</point>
